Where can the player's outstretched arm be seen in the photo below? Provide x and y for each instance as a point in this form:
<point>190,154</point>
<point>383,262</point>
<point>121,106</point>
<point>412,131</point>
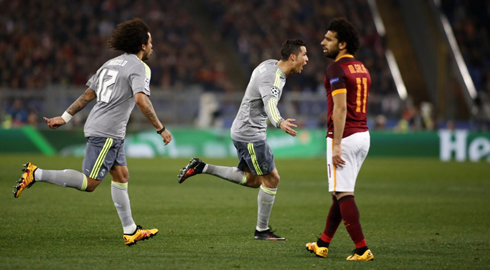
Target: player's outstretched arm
<point>287,126</point>
<point>146,107</point>
<point>75,107</point>
<point>275,117</point>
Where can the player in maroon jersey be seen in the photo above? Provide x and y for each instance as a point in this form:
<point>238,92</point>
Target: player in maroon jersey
<point>347,83</point>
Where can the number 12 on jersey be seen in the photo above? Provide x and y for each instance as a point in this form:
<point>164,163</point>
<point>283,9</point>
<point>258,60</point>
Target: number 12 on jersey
<point>105,85</point>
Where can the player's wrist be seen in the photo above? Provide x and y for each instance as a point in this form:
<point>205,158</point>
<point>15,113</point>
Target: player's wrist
<point>279,123</point>
<point>161,130</point>
<point>66,117</point>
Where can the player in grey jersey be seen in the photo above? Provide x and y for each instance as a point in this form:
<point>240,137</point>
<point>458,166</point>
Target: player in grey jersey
<point>117,86</point>
<point>256,166</point>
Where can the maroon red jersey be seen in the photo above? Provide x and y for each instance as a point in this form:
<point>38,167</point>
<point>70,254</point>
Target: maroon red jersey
<point>348,75</point>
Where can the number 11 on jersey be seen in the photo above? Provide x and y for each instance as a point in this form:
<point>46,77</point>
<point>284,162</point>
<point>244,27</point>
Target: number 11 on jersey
<point>361,98</point>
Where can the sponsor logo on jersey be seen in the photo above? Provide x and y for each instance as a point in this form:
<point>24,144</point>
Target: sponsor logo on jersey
<point>147,83</point>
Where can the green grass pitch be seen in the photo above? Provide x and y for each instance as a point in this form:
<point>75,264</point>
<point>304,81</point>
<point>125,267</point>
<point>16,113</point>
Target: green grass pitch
<point>415,213</point>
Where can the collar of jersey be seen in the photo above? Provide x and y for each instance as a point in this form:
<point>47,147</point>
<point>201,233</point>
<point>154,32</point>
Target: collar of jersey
<point>343,56</point>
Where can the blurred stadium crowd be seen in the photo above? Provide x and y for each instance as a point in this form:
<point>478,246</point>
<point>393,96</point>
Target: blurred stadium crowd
<point>49,43</point>
<point>471,25</point>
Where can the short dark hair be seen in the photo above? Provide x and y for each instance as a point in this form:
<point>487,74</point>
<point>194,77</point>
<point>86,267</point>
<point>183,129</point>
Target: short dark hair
<point>291,46</point>
<point>129,36</point>
<point>346,32</point>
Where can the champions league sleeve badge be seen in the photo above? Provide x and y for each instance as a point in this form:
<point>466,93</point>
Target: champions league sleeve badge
<point>275,91</point>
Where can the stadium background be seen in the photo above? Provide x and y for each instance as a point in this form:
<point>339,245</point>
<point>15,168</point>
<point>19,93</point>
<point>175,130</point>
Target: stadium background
<point>202,62</point>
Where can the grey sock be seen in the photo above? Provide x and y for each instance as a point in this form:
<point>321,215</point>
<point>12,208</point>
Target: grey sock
<point>64,178</point>
<point>120,198</point>
<point>232,174</point>
<point>265,201</point>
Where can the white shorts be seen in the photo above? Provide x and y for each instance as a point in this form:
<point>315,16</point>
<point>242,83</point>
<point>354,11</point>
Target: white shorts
<point>354,151</point>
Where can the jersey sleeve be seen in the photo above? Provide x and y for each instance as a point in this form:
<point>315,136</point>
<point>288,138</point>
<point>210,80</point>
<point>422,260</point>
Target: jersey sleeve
<point>92,82</point>
<point>269,91</point>
<point>336,79</point>
<point>139,79</point>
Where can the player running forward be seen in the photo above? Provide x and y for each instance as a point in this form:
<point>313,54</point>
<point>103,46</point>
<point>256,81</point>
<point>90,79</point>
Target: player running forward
<point>117,86</point>
<point>256,168</point>
<point>347,83</point>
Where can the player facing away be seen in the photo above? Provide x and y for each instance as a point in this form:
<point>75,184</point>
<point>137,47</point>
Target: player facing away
<point>117,86</point>
<point>256,168</point>
<point>347,83</point>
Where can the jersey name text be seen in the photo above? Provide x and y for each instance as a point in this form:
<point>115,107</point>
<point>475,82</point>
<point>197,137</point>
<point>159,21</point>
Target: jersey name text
<point>117,62</point>
<point>357,68</point>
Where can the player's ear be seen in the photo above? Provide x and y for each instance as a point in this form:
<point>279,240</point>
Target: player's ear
<point>342,45</point>
<point>292,57</point>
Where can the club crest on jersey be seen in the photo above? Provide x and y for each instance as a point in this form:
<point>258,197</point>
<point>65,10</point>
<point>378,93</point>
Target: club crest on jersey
<point>334,80</point>
<point>275,91</point>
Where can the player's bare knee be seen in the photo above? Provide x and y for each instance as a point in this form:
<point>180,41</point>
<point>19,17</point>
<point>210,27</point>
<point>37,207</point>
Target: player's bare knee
<point>274,182</point>
<point>120,175</point>
<point>123,179</point>
<point>253,181</point>
<point>275,177</point>
<point>271,180</point>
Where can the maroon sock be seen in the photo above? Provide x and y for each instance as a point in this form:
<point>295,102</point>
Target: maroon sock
<point>333,221</point>
<point>350,214</point>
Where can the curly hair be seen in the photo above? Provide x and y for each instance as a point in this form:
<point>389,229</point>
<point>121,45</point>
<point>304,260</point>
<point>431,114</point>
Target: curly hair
<point>346,32</point>
<point>129,36</point>
<point>291,46</point>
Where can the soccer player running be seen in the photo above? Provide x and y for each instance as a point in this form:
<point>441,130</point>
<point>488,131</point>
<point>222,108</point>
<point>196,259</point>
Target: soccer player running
<point>347,83</point>
<point>117,86</point>
<point>256,168</point>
